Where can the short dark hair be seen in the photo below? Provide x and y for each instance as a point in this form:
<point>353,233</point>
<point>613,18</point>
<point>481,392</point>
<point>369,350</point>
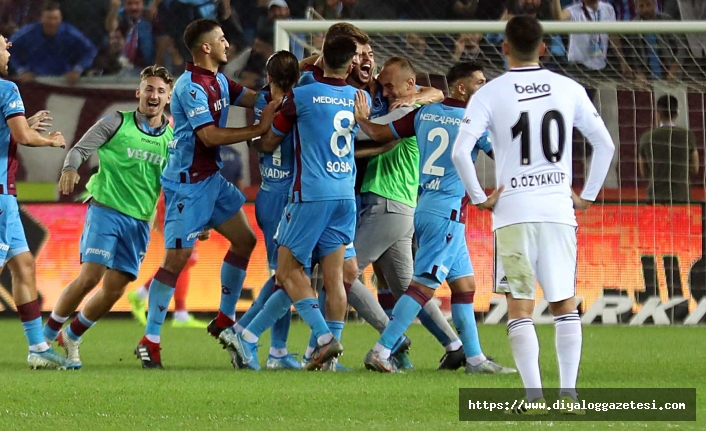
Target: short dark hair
<point>51,6</point>
<point>339,51</point>
<point>283,67</point>
<point>196,29</point>
<point>462,70</point>
<point>524,35</point>
<point>158,72</point>
<point>346,29</point>
<point>668,106</point>
<point>403,63</point>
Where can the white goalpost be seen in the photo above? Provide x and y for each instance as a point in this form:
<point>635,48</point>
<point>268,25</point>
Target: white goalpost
<point>632,247</point>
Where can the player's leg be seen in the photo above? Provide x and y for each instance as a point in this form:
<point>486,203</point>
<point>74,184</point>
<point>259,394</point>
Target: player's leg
<point>515,277</point>
<point>556,272</point>
<point>138,302</point>
<point>385,297</point>
<point>181,316</point>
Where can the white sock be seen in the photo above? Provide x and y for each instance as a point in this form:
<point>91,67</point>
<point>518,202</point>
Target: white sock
<point>525,349</point>
<point>142,293</point>
<point>238,329</point>
<point>153,338</point>
<point>382,351</point>
<point>309,351</point>
<point>278,353</point>
<point>568,339</point>
<point>454,345</point>
<point>324,339</point>
<point>60,319</point>
<point>41,347</point>
<point>181,315</point>
<point>476,360</point>
<point>250,337</point>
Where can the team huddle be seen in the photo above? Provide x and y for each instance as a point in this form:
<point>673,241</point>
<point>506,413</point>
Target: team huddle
<point>354,168</point>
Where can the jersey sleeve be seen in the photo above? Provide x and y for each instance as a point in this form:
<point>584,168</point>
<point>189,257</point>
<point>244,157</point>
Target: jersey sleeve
<point>98,135</point>
<point>590,124</point>
<point>12,105</point>
<point>287,117</point>
<point>236,91</point>
<point>404,127</point>
<point>195,103</point>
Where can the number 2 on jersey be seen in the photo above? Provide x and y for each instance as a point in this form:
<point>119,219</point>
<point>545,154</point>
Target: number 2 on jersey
<point>521,129</point>
<point>429,168</point>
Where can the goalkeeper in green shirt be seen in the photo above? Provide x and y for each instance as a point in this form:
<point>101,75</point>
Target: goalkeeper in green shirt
<point>132,152</point>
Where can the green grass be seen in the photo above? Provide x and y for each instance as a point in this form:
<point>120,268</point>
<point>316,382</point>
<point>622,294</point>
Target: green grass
<point>199,390</point>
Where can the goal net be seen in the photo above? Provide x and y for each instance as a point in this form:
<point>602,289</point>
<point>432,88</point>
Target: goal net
<point>631,249</point>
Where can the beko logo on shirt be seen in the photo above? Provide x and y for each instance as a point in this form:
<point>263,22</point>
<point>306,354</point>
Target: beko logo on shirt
<point>334,101</point>
<point>198,111</point>
<point>16,104</point>
<point>533,89</point>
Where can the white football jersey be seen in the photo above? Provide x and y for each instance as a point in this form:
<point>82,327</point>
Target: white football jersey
<point>530,114</point>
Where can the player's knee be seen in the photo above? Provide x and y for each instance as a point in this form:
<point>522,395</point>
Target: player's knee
<point>563,307</point>
<point>175,259</point>
<point>88,280</point>
<point>24,270</point>
<point>350,271</point>
<point>245,244</point>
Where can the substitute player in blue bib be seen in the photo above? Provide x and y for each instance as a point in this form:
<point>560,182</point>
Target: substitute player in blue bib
<point>439,221</point>
<point>197,197</point>
<point>14,252</point>
<point>321,212</point>
<point>276,170</point>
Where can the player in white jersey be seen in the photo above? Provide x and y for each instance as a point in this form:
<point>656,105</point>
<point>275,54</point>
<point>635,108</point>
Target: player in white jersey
<point>530,114</point>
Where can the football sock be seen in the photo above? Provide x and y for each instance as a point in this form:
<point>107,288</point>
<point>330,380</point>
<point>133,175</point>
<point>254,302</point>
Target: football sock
<point>465,321</point>
<point>53,326</point>
<point>525,349</point>
<point>568,350</point>
<point>257,306</point>
<point>280,331</point>
<point>180,291</point>
<point>232,277</point>
<point>79,326</point>
<point>278,353</point>
<point>336,328</point>
<point>143,292</point>
<point>407,308</point>
<point>434,320</point>
<point>309,311</point>
<point>161,292</point>
<point>181,315</point>
<point>387,301</point>
<point>31,318</point>
<point>367,306</point>
<point>275,307</point>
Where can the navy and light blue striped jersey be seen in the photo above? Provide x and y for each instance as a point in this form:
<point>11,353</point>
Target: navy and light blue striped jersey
<point>321,117</point>
<point>200,98</point>
<point>436,127</point>
<point>276,168</point>
<point>12,106</point>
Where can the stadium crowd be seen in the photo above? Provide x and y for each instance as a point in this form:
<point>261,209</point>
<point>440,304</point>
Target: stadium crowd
<point>120,37</point>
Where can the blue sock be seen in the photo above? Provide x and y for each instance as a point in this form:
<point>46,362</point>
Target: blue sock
<point>309,311</point>
<point>280,331</point>
<point>161,292</point>
<point>432,327</point>
<point>275,307</point>
<point>336,328</point>
<point>322,306</point>
<point>33,331</point>
<point>50,334</point>
<point>403,314</point>
<point>76,331</point>
<point>232,277</point>
<point>256,306</point>
<point>465,322</point>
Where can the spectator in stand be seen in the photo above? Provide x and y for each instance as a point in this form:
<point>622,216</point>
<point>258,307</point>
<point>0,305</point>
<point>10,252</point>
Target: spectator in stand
<point>335,9</point>
<point>51,48</point>
<point>111,59</point>
<point>667,155</point>
<point>652,55</point>
<point>627,10</point>
<point>438,9</point>
<point>142,36</point>
<point>17,13</point>
<point>93,18</point>
<point>254,71</point>
<point>374,9</point>
<point>588,52</point>
<point>695,10</point>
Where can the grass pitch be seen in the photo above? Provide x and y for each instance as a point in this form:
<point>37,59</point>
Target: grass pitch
<point>199,390</point>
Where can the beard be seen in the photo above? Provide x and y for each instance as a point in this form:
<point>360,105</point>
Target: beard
<point>530,9</point>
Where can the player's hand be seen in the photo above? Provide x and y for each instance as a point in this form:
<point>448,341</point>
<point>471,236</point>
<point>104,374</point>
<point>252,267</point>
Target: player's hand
<point>41,121</point>
<point>57,140</point>
<point>580,203</point>
<point>268,114</point>
<point>68,181</point>
<point>403,101</point>
<point>489,204</point>
<point>72,77</point>
<point>362,109</point>
<point>26,77</point>
<point>205,234</point>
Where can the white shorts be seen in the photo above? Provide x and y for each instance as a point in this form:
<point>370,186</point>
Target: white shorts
<point>527,253</point>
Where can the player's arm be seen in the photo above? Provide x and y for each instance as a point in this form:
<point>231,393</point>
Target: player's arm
<point>469,134</point>
<point>644,153</point>
<point>282,125</point>
<point>14,112</point>
<point>694,156</point>
<point>424,96</point>
<point>559,13</point>
<point>377,132</point>
<point>240,95</point>
<point>311,60</point>
<point>97,136</point>
<point>590,124</point>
